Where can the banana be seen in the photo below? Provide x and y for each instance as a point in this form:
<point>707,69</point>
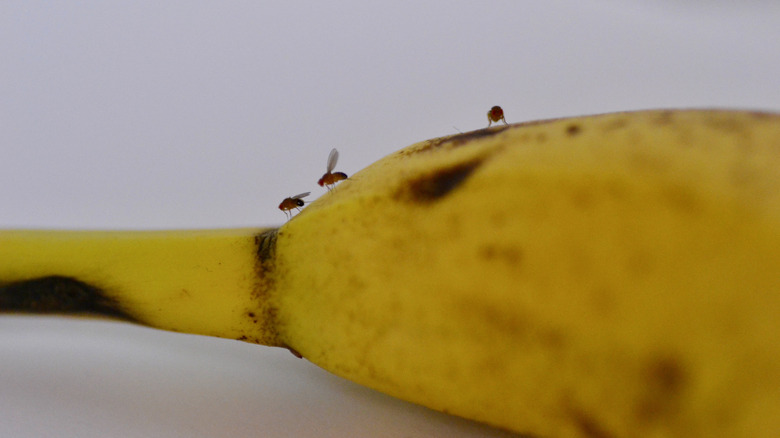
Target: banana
<point>615,275</point>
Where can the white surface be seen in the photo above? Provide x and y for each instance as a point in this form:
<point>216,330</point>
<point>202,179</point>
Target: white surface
<point>206,114</point>
<point>75,378</point>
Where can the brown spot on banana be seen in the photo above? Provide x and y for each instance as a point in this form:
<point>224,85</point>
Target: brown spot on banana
<point>573,129</point>
<point>460,139</point>
<point>510,255</point>
<point>587,424</point>
<point>666,380</point>
<point>664,117</point>
<point>266,265</point>
<point>58,294</point>
<point>615,125</point>
<point>434,186</point>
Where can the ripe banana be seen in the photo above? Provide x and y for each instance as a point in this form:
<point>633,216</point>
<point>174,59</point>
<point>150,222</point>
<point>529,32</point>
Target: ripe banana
<point>614,275</point>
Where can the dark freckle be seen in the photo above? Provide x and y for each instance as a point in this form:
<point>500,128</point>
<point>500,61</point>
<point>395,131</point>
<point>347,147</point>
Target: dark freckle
<point>664,117</point>
<point>510,255</point>
<point>725,124</point>
<point>583,198</point>
<point>573,130</point>
<point>588,425</point>
<point>665,379</point>
<point>553,338</point>
<point>681,199</point>
<point>666,374</point>
<point>616,124</point>
<point>251,314</point>
<point>434,186</point>
<point>762,115</point>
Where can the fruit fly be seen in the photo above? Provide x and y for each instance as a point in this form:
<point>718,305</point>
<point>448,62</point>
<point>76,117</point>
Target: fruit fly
<point>331,178</point>
<point>495,114</point>
<point>293,202</point>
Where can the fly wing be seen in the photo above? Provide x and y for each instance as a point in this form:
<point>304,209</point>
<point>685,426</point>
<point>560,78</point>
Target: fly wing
<point>301,195</point>
<point>333,158</point>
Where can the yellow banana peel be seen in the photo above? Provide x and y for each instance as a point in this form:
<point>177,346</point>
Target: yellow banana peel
<point>614,275</point>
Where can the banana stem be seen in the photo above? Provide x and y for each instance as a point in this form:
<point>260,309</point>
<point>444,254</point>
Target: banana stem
<point>208,282</point>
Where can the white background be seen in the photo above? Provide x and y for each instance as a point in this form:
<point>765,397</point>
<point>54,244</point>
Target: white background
<point>149,114</point>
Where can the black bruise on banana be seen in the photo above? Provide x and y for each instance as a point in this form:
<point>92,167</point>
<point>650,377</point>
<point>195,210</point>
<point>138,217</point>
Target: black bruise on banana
<point>464,138</point>
<point>266,248</point>
<point>461,139</point>
<point>59,295</point>
<point>266,264</point>
<point>434,186</point>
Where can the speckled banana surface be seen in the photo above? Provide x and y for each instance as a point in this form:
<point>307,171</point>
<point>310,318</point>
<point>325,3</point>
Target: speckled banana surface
<point>614,275</point>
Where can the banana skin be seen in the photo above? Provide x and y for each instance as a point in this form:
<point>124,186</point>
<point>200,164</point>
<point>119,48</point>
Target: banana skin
<point>615,275</point>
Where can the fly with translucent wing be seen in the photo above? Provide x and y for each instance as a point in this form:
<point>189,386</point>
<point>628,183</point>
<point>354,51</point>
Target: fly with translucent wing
<point>330,178</point>
<point>293,203</point>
